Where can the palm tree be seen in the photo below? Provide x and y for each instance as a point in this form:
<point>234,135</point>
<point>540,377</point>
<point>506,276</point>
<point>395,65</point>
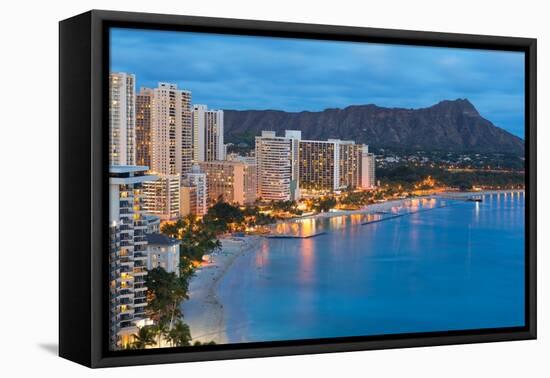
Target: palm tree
<point>160,329</point>
<point>144,338</point>
<point>179,335</point>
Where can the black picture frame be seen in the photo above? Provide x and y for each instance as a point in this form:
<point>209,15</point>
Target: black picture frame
<point>83,181</point>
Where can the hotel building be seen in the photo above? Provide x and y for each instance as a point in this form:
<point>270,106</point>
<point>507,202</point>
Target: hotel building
<point>207,134</point>
<point>153,224</point>
<point>326,166</point>
<point>122,119</point>
<point>368,177</point>
<point>127,253</point>
<point>289,167</point>
<point>350,164</point>
<point>277,165</point>
<point>196,183</point>
<point>234,181</point>
<point>161,197</point>
<point>144,100</point>
<point>171,130</point>
<point>163,252</point>
<point>319,166</point>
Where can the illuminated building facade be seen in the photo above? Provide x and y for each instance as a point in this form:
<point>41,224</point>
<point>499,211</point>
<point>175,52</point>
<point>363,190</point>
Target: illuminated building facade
<point>319,166</point>
<point>122,119</point>
<point>127,253</point>
<point>188,199</point>
<point>163,252</point>
<point>197,182</point>
<point>277,165</point>
<point>162,197</point>
<point>234,181</point>
<point>144,100</point>
<point>207,134</point>
<point>350,164</point>
<point>171,130</point>
<point>368,176</point>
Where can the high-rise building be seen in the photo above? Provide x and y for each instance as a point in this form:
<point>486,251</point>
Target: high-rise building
<point>161,197</point>
<point>144,100</point>
<point>368,176</point>
<point>127,253</point>
<point>198,192</point>
<point>289,166</point>
<point>350,164</point>
<point>207,134</point>
<point>326,166</point>
<point>319,166</point>
<point>277,165</point>
<point>122,119</point>
<point>171,130</point>
<point>234,181</point>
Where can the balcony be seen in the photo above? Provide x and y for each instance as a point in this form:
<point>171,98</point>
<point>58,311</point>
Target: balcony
<point>125,292</point>
<point>125,317</point>
<point>140,300</point>
<point>139,286</point>
<point>125,309</point>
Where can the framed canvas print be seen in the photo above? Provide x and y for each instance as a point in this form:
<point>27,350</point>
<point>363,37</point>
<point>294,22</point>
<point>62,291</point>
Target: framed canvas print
<point>234,188</point>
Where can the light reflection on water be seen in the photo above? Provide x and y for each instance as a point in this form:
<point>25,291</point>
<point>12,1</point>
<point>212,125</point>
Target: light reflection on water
<point>311,226</point>
<point>460,266</point>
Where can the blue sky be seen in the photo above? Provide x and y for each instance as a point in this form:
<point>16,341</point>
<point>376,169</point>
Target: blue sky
<point>240,72</point>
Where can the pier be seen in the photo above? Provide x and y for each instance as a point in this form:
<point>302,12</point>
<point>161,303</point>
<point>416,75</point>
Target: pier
<point>401,215</point>
<point>295,236</point>
<point>470,197</point>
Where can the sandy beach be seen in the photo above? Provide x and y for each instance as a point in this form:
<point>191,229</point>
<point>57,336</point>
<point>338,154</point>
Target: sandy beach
<point>203,312</point>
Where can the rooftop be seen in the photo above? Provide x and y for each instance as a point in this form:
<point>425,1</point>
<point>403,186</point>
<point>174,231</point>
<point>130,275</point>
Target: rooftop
<point>127,168</point>
<point>160,239</point>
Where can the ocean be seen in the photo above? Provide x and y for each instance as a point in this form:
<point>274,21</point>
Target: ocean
<point>442,265</point>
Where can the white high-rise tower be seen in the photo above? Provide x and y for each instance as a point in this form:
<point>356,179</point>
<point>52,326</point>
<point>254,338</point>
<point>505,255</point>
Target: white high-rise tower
<point>278,165</point>
<point>122,119</point>
<point>171,130</point>
<point>207,134</point>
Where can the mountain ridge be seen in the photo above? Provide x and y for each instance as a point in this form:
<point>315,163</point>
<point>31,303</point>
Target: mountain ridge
<point>453,125</point>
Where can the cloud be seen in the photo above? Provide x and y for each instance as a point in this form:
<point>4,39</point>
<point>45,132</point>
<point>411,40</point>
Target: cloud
<point>241,72</point>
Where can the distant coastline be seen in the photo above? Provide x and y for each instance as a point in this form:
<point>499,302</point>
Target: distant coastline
<point>387,205</point>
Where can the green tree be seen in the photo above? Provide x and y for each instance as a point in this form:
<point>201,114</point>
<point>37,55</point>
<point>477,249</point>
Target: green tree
<point>172,229</point>
<point>165,292</point>
<point>324,204</point>
<point>196,239</point>
<point>179,335</point>
<point>160,329</point>
<point>144,338</point>
<point>222,215</point>
<point>256,218</point>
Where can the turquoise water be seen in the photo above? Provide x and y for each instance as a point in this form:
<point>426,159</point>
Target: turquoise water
<point>447,265</point>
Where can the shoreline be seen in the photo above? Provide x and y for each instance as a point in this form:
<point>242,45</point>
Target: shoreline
<point>203,312</point>
<point>387,205</point>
